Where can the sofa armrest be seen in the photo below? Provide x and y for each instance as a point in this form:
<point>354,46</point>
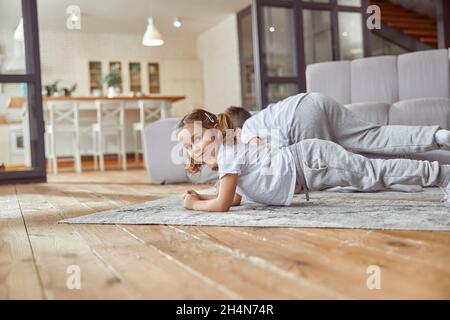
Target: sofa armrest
<point>162,154</point>
<point>164,158</point>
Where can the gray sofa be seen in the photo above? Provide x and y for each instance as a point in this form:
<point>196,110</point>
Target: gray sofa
<point>409,89</point>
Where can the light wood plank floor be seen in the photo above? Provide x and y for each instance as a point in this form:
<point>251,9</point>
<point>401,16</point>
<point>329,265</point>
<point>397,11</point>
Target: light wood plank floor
<point>173,262</point>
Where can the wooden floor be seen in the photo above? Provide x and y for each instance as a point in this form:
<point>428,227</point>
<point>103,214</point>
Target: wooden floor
<point>161,262</point>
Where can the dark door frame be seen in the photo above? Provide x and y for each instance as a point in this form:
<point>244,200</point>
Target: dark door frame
<point>32,78</point>
<point>240,16</point>
<point>443,23</point>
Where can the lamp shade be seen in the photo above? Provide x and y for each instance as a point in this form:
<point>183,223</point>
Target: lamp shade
<point>152,36</point>
<point>18,33</point>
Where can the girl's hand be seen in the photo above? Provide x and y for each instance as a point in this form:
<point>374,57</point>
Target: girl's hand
<point>214,203</point>
<point>193,193</point>
<point>189,201</point>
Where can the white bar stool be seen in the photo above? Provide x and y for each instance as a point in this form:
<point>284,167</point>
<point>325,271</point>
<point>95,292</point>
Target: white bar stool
<point>149,111</point>
<point>110,121</point>
<point>63,117</point>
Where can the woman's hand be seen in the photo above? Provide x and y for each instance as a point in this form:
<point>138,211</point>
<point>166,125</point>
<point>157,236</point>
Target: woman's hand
<point>189,201</point>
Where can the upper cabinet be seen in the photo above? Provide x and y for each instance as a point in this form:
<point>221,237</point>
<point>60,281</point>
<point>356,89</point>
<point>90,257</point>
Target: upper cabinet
<point>153,78</point>
<point>132,72</point>
<point>135,77</point>
<point>95,77</point>
<point>116,66</point>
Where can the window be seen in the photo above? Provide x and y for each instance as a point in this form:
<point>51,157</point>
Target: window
<point>350,35</point>
<point>279,91</point>
<point>355,3</point>
<point>317,36</point>
<point>292,34</point>
<point>279,42</point>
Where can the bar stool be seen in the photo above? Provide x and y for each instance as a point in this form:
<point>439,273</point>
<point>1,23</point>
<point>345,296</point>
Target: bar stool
<point>63,117</point>
<point>149,111</point>
<point>110,122</point>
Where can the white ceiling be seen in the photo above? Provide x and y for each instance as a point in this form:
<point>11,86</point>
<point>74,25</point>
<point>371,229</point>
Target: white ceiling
<point>127,16</point>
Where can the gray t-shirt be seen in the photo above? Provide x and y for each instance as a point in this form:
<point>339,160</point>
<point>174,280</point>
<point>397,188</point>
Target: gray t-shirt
<point>265,175</point>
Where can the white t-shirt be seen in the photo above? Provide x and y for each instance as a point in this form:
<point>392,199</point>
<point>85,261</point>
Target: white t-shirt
<point>265,175</point>
<point>274,122</point>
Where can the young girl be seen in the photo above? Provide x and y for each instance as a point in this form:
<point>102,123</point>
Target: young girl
<point>269,175</point>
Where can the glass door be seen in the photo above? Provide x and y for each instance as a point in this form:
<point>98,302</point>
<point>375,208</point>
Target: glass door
<point>288,35</point>
<point>22,156</point>
<point>245,33</point>
<point>276,42</point>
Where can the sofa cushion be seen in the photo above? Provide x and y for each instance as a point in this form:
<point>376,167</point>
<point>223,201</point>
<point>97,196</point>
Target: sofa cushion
<point>371,112</point>
<point>424,74</point>
<point>374,79</point>
<point>423,111</point>
<point>331,79</point>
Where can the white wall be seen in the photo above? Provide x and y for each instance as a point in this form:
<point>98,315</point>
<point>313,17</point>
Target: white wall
<point>218,50</point>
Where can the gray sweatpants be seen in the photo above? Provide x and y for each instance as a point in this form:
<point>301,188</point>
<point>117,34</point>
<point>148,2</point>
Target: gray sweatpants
<point>326,164</point>
<point>321,117</point>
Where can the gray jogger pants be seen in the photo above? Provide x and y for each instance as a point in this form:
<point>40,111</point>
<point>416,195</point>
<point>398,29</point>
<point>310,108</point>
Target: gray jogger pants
<point>318,116</point>
<point>326,164</point>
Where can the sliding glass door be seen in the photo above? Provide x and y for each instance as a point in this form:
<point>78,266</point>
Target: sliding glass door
<point>288,35</point>
<point>246,59</point>
<point>22,156</point>
<point>276,45</point>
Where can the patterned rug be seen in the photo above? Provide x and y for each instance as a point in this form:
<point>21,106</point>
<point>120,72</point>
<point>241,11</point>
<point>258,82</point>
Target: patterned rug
<point>381,210</point>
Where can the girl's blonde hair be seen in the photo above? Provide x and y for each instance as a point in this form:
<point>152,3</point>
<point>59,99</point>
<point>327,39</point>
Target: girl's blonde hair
<point>221,122</point>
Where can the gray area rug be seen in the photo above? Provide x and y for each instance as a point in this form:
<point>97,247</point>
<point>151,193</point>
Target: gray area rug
<point>383,210</point>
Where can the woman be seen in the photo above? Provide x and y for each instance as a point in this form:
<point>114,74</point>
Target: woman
<point>316,116</point>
